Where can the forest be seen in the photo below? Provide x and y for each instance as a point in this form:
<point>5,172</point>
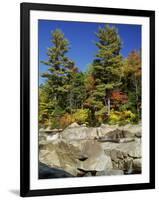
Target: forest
<point>108,92</point>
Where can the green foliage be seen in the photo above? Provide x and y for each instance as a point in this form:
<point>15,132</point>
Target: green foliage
<point>105,69</point>
<point>101,116</point>
<point>54,123</point>
<point>108,92</point>
<point>109,59</point>
<point>61,69</point>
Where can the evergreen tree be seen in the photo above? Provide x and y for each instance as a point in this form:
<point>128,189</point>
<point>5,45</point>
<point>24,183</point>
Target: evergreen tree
<point>64,83</point>
<point>59,66</point>
<point>108,92</point>
<point>107,66</point>
<point>76,91</point>
<point>58,78</point>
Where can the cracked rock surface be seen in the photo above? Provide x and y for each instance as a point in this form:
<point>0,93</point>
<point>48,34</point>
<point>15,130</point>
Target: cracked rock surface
<point>91,151</point>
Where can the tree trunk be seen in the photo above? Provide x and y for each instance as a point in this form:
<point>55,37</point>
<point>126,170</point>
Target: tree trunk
<point>70,101</point>
<point>137,98</point>
<point>108,106</point>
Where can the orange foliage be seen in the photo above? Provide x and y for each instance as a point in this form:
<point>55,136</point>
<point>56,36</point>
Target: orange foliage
<point>119,97</point>
<point>66,120</point>
<point>134,63</point>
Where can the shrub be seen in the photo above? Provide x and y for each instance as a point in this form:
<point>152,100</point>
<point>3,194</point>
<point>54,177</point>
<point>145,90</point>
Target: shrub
<point>114,117</point>
<point>66,120</point>
<point>81,116</point>
<point>54,123</point>
<point>121,118</point>
<point>101,115</point>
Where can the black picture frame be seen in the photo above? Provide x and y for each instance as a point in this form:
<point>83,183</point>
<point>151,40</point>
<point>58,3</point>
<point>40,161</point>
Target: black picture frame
<point>25,9</point>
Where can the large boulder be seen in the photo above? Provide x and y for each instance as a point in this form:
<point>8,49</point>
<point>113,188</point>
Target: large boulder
<point>73,125</point>
<point>97,159</point>
<point>133,149</point>
<point>79,133</point>
<point>125,156</point>
<point>61,155</point>
<point>106,132</point>
<point>116,135</point>
<point>132,128</point>
<point>87,156</point>
<point>116,131</point>
<point>100,163</point>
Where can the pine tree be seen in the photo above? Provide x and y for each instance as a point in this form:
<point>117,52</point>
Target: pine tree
<point>58,76</point>
<point>107,66</point>
<point>58,66</point>
<point>65,84</point>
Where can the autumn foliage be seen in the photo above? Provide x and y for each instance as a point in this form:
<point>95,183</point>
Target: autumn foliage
<point>108,92</point>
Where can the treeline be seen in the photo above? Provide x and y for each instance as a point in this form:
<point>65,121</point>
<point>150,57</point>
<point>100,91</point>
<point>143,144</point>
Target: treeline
<point>108,92</point>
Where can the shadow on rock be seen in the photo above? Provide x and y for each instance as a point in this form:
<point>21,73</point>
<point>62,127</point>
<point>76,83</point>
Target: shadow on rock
<point>48,172</point>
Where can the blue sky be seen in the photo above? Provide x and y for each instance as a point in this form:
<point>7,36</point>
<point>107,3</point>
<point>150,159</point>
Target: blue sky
<point>82,38</point>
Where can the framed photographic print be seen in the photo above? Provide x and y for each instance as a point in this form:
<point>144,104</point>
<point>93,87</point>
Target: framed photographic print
<point>87,99</point>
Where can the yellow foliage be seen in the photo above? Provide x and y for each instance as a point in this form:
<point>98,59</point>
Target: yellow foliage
<point>121,117</point>
<point>81,116</point>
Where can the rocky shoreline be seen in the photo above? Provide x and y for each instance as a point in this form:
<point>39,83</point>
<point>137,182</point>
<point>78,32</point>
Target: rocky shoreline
<point>90,151</point>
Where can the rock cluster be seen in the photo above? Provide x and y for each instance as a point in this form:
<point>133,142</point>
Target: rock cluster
<point>92,151</point>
